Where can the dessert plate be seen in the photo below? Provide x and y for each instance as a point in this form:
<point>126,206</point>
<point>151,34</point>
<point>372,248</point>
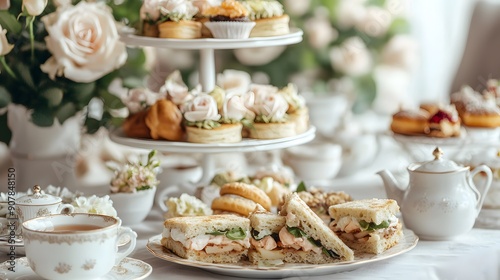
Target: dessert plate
<point>128,269</point>
<point>246,269</point>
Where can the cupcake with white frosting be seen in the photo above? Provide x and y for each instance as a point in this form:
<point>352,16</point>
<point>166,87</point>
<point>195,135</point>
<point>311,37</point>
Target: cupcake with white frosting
<point>269,17</point>
<point>202,121</point>
<point>271,120</point>
<point>177,20</point>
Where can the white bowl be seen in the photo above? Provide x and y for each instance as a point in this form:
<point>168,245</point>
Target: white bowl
<point>325,112</point>
<point>318,161</point>
<point>133,208</point>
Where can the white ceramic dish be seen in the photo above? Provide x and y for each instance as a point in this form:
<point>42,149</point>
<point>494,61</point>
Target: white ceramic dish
<point>247,270</point>
<point>128,269</point>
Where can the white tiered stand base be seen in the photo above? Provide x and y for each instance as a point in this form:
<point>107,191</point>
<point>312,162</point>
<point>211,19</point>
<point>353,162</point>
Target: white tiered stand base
<point>207,81</point>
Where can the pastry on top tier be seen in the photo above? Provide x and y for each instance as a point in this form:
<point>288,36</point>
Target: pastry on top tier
<point>475,110</point>
<point>269,17</point>
<point>177,20</point>
<point>229,20</point>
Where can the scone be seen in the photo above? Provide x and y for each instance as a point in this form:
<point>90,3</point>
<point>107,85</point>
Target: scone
<point>269,18</point>
<point>164,120</point>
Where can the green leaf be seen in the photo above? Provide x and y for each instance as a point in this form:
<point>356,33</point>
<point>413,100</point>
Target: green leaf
<point>42,117</point>
<point>295,231</point>
<point>92,125</point>
<point>65,112</point>
<point>9,22</point>
<point>111,101</point>
<point>82,92</point>
<point>24,71</point>
<point>236,234</point>
<point>54,96</point>
<point>5,98</point>
<point>373,226</point>
<point>216,233</point>
<point>301,187</point>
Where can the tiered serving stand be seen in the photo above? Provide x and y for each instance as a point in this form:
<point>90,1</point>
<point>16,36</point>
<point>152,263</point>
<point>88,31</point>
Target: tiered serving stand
<point>207,81</point>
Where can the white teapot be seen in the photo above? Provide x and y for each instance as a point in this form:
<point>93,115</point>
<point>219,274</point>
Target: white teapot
<point>441,200</point>
<point>38,204</point>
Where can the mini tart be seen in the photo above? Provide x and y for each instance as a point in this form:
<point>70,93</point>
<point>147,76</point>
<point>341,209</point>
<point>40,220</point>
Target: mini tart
<point>150,30</point>
<point>301,120</point>
<point>272,130</point>
<point>274,26</point>
<point>183,29</point>
<point>409,122</point>
<point>226,133</point>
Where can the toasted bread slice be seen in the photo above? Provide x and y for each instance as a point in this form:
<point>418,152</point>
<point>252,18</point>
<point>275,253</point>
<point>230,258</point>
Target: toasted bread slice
<point>373,210</point>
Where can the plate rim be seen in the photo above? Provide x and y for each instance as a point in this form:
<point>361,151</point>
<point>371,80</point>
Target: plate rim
<point>410,239</point>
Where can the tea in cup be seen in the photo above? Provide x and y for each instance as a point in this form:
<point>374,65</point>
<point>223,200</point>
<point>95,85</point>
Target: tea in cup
<point>81,245</point>
<point>39,204</point>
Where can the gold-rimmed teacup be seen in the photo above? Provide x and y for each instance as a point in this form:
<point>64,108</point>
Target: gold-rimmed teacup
<point>75,246</point>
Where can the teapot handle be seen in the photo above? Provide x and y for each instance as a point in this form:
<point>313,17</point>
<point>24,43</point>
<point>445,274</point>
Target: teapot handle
<point>485,186</point>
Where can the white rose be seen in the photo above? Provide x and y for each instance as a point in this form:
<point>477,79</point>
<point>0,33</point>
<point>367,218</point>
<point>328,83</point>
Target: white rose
<point>297,8</point>
<point>5,47</point>
<point>84,43</point>
<point>400,51</point>
<point>351,58</point>
<point>34,7</point>
<point>62,3</point>
<point>138,99</point>
<point>175,89</point>
<point>258,56</point>
<point>178,9</point>
<point>234,81</point>
<point>320,32</point>
<point>350,12</point>
<point>272,105</point>
<point>150,10</point>
<point>234,109</point>
<point>202,107</point>
<point>376,21</point>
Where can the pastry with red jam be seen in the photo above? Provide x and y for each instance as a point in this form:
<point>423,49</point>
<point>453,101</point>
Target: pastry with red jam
<point>445,123</point>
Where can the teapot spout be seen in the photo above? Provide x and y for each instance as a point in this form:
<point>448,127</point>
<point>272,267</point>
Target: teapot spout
<point>392,189</point>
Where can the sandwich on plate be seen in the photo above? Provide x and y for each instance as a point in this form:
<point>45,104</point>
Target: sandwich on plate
<point>368,225</point>
<point>297,235</point>
<point>213,239</point>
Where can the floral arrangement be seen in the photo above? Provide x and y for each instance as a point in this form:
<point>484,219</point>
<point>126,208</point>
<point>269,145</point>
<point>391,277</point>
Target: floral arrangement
<point>57,57</point>
<point>356,47</point>
<point>136,176</point>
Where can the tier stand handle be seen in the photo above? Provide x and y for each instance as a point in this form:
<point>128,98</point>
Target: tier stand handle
<point>207,69</point>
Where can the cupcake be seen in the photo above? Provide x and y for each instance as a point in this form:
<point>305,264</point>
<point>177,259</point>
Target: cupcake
<point>150,15</point>
<point>201,119</point>
<point>199,17</point>
<point>270,114</point>
<point>229,20</point>
<point>176,20</point>
<point>297,110</point>
<point>269,18</point>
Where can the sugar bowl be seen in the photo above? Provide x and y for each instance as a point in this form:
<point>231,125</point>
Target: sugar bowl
<point>40,204</point>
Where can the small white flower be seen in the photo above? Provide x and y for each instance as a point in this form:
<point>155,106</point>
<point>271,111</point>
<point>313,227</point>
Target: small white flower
<point>320,32</point>
<point>352,57</point>
<point>177,10</point>
<point>400,51</point>
<point>175,89</point>
<point>138,99</point>
<point>376,21</point>
<point>94,205</point>
<point>297,8</point>
<point>350,12</point>
<point>5,47</point>
<point>34,7</point>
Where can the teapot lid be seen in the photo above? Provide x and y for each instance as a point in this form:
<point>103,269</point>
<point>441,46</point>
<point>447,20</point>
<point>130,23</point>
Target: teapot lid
<point>38,198</point>
<point>439,164</point>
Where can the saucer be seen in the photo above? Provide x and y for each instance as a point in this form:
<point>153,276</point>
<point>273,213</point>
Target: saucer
<point>128,269</point>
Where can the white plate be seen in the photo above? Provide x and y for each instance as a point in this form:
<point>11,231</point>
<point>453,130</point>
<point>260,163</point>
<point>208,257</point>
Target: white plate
<point>248,270</point>
<point>128,269</point>
<point>295,36</point>
<point>427,140</point>
<point>246,145</point>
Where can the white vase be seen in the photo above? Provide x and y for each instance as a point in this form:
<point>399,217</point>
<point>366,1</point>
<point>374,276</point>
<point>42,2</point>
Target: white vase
<point>133,208</point>
<point>43,155</point>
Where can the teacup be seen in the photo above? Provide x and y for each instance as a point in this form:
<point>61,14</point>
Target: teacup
<point>75,246</point>
<point>39,204</point>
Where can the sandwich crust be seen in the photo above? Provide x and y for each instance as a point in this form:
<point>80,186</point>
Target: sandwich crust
<point>247,191</point>
<point>202,256</point>
<point>199,225</point>
<point>370,210</point>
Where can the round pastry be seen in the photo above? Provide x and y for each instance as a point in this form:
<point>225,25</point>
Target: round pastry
<point>269,18</point>
<point>225,133</point>
<point>150,30</point>
<point>481,115</point>
<point>229,20</point>
<point>410,122</point>
<point>164,120</point>
<point>271,130</point>
<point>135,125</point>
<point>183,29</point>
<point>247,191</point>
<point>234,204</point>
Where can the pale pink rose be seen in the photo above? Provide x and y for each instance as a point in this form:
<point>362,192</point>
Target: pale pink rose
<point>351,58</point>
<point>350,12</point>
<point>376,21</point>
<point>297,8</point>
<point>234,81</point>
<point>34,7</point>
<point>84,42</point>
<point>235,109</point>
<point>271,105</point>
<point>150,10</point>
<point>5,47</point>
<point>401,51</point>
<point>202,107</point>
<point>138,99</point>
<point>4,4</point>
<point>175,89</point>
<point>320,32</point>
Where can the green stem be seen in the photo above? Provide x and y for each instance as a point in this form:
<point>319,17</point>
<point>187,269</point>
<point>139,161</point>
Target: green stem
<point>7,68</point>
<point>32,38</point>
